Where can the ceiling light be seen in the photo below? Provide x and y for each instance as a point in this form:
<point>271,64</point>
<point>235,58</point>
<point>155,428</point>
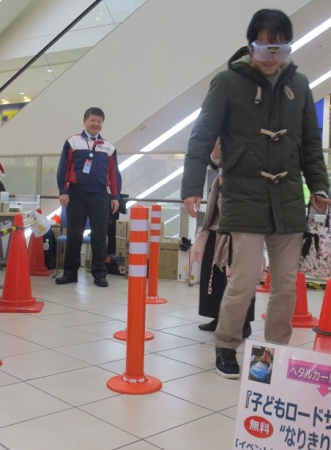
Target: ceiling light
<point>320,80</point>
<point>311,35</point>
<point>157,185</point>
<point>50,70</point>
<point>168,134</point>
<point>22,93</point>
<point>165,136</point>
<point>129,161</point>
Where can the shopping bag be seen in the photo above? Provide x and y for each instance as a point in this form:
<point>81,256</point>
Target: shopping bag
<point>315,259</point>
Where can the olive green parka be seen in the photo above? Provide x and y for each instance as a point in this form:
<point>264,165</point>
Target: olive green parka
<point>269,138</point>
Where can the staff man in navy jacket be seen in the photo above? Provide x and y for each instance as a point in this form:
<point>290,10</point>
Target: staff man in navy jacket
<point>87,169</point>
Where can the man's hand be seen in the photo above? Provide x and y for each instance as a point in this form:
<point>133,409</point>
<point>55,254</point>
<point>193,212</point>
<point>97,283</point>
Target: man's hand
<point>64,199</point>
<point>114,204</point>
<point>217,152</point>
<point>192,206</point>
<point>319,203</point>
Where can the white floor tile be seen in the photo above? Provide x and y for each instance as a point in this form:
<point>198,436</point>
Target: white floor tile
<point>214,432</point>
<point>144,415</point>
<point>59,337</point>
<point>97,352</point>
<point>40,364</point>
<point>56,365</point>
<point>20,402</point>
<point>67,430</point>
<point>189,389</point>
<point>77,387</point>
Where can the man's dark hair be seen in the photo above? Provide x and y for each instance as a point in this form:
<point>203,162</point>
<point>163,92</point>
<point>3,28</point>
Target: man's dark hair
<point>95,111</point>
<point>274,22</point>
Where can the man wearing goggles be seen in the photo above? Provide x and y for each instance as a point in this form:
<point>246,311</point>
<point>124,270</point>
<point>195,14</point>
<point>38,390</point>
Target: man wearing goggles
<point>267,55</point>
<point>263,110</point>
<point>263,52</point>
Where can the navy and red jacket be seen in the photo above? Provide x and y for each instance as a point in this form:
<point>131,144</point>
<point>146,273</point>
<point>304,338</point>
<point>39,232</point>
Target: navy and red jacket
<point>104,172</point>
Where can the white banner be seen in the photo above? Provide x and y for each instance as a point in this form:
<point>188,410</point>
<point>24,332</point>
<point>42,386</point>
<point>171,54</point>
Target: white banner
<point>285,399</point>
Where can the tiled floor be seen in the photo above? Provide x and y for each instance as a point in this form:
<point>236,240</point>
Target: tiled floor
<point>56,363</point>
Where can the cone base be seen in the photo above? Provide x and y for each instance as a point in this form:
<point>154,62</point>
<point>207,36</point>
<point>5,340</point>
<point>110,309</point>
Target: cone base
<point>324,333</point>
<point>123,335</point>
<point>27,306</point>
<point>41,272</point>
<point>263,288</point>
<point>149,386</point>
<point>322,344</point>
<point>155,300</point>
<point>304,321</point>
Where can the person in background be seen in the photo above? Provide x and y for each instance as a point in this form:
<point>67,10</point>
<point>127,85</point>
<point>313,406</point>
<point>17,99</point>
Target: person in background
<point>213,251</point>
<point>87,168</point>
<point>264,112</point>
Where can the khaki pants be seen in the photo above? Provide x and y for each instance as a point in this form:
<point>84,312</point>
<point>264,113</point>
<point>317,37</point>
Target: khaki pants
<point>247,257</point>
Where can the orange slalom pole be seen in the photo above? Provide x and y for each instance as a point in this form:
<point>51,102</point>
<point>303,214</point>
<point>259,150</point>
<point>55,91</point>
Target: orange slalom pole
<point>152,297</point>
<point>122,335</point>
<point>134,380</point>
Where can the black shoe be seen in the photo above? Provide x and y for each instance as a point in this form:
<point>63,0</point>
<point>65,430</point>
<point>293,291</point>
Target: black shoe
<point>101,282</point>
<point>65,279</point>
<point>210,326</point>
<point>226,363</point>
<point>247,331</point>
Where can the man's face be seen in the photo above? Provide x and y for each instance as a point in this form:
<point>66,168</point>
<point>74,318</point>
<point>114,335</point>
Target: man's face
<point>93,124</point>
<point>270,67</point>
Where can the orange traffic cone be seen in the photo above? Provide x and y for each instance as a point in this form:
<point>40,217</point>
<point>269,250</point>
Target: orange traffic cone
<point>266,286</point>
<point>302,317</point>
<point>36,257</point>
<point>16,295</point>
<point>323,330</point>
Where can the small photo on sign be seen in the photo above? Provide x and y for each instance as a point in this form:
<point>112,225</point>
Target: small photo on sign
<point>261,364</point>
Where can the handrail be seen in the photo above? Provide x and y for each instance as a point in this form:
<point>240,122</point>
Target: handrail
<point>53,41</point>
<point>129,199</point>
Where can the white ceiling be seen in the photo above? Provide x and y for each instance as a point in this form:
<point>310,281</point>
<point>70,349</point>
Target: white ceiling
<point>27,26</point>
<point>314,59</point>
<point>10,10</point>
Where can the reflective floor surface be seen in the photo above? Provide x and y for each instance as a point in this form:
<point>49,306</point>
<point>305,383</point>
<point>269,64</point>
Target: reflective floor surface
<point>56,364</point>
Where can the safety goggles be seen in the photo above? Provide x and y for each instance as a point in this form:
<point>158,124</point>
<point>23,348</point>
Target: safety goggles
<point>262,52</point>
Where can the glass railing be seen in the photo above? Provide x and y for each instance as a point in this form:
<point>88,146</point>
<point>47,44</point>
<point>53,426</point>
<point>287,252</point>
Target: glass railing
<point>36,175</point>
<point>24,77</point>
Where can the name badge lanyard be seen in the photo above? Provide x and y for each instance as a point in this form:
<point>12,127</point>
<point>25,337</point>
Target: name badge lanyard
<point>88,162</point>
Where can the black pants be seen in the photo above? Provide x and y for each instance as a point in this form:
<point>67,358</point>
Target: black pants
<point>95,205</point>
<point>209,304</point>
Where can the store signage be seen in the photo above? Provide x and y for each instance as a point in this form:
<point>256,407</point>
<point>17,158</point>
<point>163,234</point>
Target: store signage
<point>285,399</point>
